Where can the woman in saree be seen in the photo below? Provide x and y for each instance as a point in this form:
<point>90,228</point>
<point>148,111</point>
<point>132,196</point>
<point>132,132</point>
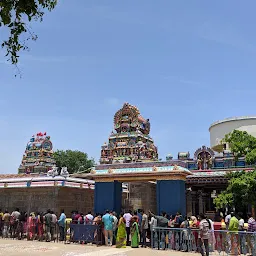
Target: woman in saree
<point>31,226</point>
<point>121,234</point>
<point>135,234</point>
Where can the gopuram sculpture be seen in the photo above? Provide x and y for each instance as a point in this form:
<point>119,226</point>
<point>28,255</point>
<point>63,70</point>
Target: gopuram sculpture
<point>131,141</point>
<point>38,156</point>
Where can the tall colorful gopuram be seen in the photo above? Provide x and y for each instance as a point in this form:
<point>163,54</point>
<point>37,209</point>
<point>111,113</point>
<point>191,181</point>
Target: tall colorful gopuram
<point>131,141</point>
<point>38,156</point>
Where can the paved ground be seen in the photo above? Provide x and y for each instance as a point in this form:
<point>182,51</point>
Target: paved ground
<point>22,248</point>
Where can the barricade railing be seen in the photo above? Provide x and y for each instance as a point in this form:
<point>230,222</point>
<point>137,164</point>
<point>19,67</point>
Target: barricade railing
<point>220,242</point>
<point>87,233</point>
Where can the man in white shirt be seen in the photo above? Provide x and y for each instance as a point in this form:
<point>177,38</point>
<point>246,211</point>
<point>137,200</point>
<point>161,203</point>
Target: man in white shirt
<point>144,228</point>
<point>114,227</point>
<point>53,225</point>
<point>227,219</point>
<point>203,235</point>
<point>127,216</point>
<point>89,218</point>
<point>240,222</point>
<point>152,224</point>
<point>15,216</point>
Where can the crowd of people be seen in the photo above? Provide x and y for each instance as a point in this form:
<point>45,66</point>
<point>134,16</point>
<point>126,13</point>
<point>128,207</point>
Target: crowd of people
<point>34,226</point>
<point>128,229</point>
<point>134,229</point>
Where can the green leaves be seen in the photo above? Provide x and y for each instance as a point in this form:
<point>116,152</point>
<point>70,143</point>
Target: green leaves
<point>13,14</point>
<point>223,199</point>
<point>242,144</point>
<point>75,161</point>
<point>240,191</point>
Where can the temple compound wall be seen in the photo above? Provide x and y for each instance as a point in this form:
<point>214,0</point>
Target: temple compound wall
<point>41,199</point>
<point>33,193</point>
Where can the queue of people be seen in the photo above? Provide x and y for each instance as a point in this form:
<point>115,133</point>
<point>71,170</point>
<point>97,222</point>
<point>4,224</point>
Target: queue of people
<point>128,229</point>
<point>34,226</point>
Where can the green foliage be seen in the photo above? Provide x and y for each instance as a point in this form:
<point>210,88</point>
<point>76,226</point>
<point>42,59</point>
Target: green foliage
<point>242,144</point>
<point>223,199</point>
<point>241,191</point>
<point>250,157</point>
<point>75,161</point>
<point>15,16</point>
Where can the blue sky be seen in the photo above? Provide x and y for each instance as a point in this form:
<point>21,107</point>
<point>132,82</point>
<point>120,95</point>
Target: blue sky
<point>185,64</point>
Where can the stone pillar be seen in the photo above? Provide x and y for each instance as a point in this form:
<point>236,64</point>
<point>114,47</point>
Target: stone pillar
<point>189,204</point>
<point>194,202</point>
<point>200,198</point>
<point>108,196</point>
<point>171,196</point>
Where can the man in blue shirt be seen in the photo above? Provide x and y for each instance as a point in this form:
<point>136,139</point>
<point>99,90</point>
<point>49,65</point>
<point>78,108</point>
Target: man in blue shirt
<point>140,221</point>
<point>62,222</point>
<point>108,220</point>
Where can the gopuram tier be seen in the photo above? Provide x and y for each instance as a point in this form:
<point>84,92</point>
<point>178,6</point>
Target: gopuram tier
<point>38,156</point>
<point>130,142</point>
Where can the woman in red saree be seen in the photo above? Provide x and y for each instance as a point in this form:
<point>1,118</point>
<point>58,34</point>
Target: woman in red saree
<point>31,226</point>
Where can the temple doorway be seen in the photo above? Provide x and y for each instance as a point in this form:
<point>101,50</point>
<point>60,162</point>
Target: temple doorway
<point>140,195</point>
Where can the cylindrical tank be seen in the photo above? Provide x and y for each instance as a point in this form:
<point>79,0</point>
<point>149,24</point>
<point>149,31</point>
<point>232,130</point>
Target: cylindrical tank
<point>219,129</point>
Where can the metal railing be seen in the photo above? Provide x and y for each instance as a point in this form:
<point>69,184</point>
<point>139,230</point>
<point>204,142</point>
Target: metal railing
<point>87,233</point>
<point>219,242</point>
<point>82,233</point>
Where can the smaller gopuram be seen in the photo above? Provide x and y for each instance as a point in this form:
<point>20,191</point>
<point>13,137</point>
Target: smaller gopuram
<point>131,141</point>
<point>38,156</point>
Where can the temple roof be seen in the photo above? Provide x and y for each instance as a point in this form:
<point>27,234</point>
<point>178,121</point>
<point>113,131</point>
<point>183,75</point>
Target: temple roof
<point>14,176</point>
<point>142,170</point>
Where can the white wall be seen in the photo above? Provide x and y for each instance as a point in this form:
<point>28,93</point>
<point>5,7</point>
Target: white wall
<point>218,131</point>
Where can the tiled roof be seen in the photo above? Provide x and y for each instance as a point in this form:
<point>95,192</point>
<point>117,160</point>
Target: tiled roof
<point>208,174</point>
<point>215,173</point>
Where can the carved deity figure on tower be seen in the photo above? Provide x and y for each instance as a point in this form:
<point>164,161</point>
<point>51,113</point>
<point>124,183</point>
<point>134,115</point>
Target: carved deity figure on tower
<point>209,162</point>
<point>199,163</point>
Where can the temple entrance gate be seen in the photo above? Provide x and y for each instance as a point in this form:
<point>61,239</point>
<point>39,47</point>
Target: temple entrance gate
<point>170,187</point>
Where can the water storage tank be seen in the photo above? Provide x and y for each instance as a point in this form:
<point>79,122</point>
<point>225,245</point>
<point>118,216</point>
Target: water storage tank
<point>219,129</point>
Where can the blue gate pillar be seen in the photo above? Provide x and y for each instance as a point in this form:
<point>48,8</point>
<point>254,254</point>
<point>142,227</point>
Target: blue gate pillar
<point>108,196</point>
<point>171,196</point>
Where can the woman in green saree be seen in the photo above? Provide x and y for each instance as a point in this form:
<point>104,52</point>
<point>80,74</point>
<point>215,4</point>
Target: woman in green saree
<point>135,234</point>
<point>121,234</point>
